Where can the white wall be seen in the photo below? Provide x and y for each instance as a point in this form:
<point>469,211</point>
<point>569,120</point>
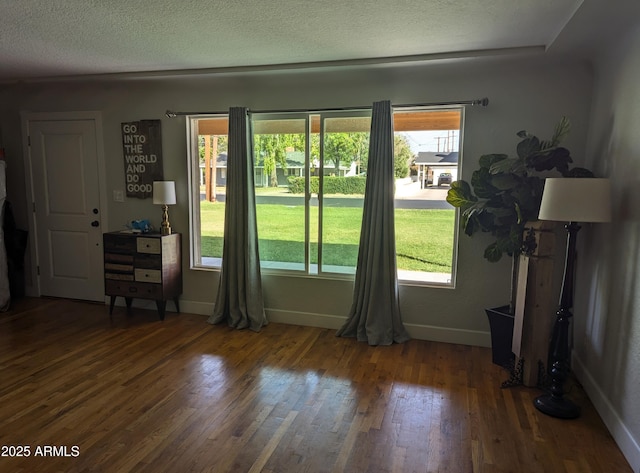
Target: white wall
<point>528,93</point>
<point>607,312</point>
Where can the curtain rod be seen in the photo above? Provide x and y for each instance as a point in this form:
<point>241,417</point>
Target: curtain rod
<point>483,102</point>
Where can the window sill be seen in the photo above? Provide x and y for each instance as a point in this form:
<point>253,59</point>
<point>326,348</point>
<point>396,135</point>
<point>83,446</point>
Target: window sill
<point>405,278</point>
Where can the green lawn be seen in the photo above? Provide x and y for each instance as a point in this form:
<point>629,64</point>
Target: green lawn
<point>424,238</point>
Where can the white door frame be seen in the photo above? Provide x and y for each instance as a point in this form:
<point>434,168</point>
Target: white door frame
<point>26,117</point>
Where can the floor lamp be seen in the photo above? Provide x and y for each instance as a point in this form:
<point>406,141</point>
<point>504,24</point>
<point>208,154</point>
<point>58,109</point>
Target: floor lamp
<point>574,201</point>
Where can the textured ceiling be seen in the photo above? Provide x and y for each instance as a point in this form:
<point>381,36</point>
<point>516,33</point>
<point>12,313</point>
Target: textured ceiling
<point>48,38</point>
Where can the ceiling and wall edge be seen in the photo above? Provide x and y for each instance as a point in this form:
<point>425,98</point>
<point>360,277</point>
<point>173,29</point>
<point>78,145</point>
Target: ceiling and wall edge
<point>296,66</point>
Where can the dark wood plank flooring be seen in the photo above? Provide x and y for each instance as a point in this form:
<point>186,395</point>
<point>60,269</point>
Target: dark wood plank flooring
<point>180,395</point>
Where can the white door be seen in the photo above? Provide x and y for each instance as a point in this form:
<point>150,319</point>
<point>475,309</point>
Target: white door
<point>67,215</point>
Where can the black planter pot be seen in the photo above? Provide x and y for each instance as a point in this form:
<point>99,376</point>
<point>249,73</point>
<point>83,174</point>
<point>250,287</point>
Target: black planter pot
<point>501,323</point>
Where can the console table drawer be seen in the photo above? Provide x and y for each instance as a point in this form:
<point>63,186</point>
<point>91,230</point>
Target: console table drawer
<point>148,275</point>
<point>119,243</point>
<point>149,245</point>
<point>133,289</point>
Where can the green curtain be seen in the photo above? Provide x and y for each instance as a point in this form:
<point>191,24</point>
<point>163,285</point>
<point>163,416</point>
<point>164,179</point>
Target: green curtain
<point>375,313</point>
<point>239,301</point>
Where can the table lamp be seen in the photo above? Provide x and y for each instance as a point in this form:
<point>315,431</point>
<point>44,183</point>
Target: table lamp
<point>572,200</point>
<point>164,193</point>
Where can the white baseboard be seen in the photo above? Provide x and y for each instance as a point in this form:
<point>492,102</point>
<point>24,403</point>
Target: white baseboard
<point>334,322</point>
<point>416,331</point>
<point>188,307</point>
<point>200,308</point>
<point>628,445</point>
<point>308,319</point>
<point>449,335</point>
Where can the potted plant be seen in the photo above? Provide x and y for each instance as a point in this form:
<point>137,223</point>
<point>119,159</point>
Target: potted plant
<point>503,196</point>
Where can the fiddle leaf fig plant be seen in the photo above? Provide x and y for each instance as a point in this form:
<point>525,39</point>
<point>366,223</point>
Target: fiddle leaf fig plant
<point>505,192</point>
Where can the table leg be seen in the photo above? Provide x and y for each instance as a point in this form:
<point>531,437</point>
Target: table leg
<point>128,301</point>
<point>161,305</point>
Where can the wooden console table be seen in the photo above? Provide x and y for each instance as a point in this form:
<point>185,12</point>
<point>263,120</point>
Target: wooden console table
<point>144,266</point>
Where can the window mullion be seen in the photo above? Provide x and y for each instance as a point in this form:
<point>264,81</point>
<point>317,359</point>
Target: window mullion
<point>321,191</point>
<point>307,195</point>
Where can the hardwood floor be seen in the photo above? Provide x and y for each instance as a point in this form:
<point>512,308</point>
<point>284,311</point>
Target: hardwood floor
<point>180,395</point>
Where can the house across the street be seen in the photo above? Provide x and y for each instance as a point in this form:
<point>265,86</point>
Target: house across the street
<point>432,164</point>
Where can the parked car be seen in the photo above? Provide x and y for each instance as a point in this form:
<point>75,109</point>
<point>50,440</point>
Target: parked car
<point>444,178</point>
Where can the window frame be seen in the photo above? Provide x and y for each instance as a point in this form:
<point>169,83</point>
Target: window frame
<point>195,223</point>
<point>193,182</point>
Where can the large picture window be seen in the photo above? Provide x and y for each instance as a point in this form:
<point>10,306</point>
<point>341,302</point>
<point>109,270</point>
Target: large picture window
<point>310,176</point>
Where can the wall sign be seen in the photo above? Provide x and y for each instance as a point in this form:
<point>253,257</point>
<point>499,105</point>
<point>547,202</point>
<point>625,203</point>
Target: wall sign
<point>142,147</point>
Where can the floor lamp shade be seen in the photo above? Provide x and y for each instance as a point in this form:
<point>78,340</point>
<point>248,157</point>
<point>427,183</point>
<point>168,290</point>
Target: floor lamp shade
<point>576,200</point>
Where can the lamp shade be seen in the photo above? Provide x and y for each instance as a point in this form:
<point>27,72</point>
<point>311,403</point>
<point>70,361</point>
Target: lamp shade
<point>164,192</point>
<point>576,200</point>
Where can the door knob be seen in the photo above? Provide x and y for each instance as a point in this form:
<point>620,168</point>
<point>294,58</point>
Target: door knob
<point>95,223</point>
